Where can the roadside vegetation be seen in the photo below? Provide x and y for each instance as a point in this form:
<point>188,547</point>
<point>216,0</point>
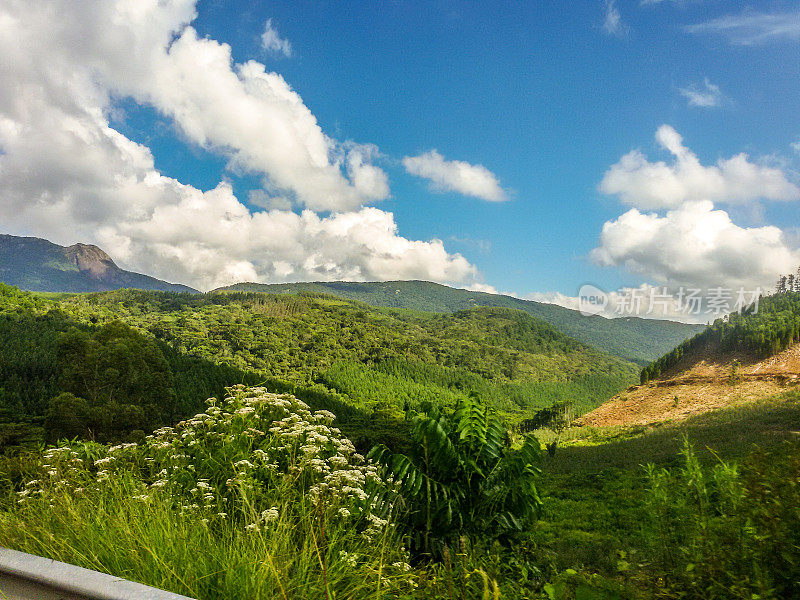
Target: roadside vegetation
<point>382,467</point>
<point>258,496</point>
<point>681,510</point>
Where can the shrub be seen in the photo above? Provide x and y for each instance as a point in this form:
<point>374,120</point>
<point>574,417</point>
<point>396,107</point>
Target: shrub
<point>464,478</point>
<point>728,532</point>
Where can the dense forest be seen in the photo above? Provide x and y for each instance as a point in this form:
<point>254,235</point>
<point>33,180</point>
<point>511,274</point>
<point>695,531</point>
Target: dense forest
<point>300,337</point>
<point>117,365</point>
<point>298,446</point>
<point>63,378</point>
<point>760,330</point>
<point>632,338</point>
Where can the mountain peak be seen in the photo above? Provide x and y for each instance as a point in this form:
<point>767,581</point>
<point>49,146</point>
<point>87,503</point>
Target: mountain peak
<point>89,258</point>
<point>38,265</point>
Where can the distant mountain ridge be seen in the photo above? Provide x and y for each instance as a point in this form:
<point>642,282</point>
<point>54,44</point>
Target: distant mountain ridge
<point>632,338</point>
<point>39,265</point>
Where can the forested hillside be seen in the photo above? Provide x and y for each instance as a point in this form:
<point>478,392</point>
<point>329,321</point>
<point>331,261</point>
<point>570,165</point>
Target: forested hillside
<point>761,332</point>
<point>632,338</point>
<point>106,365</point>
<point>104,383</point>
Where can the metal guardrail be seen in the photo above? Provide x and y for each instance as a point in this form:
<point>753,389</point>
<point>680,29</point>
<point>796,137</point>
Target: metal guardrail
<point>28,577</point>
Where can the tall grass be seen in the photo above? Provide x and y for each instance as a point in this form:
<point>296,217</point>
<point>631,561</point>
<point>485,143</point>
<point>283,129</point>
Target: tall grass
<point>729,531</point>
<point>298,555</point>
<point>257,497</point>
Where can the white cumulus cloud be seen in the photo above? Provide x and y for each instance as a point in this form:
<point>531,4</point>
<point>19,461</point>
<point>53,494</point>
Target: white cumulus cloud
<point>653,185</point>
<point>67,175</point>
<point>148,50</point>
<point>695,245</point>
<point>456,176</point>
<point>645,301</point>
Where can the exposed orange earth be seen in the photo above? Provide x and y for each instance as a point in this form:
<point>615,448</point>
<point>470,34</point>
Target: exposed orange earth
<point>699,384</point>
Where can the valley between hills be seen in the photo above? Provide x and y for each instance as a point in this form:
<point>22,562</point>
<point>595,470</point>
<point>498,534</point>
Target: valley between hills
<point>446,444</point>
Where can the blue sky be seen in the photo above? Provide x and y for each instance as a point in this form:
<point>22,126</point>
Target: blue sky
<point>546,96</point>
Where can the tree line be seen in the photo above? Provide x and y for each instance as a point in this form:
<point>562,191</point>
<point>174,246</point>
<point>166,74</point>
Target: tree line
<point>762,330</point>
<point>788,283</point>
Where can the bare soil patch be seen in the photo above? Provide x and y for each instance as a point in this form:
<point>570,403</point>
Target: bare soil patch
<point>698,385</point>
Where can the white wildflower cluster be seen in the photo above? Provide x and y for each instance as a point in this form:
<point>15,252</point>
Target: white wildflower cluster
<point>349,558</point>
<point>78,468</point>
<point>228,462</point>
<point>268,516</point>
<point>268,440</point>
<point>258,461</point>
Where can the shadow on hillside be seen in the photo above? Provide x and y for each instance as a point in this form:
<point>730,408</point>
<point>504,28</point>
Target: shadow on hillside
<point>31,373</point>
<point>726,433</point>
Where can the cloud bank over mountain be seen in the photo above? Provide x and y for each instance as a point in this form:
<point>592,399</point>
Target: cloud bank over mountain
<point>68,175</point>
<point>694,243</point>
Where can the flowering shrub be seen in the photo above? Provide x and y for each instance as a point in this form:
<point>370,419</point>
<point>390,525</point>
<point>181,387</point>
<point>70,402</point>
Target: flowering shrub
<point>230,462</point>
<point>257,480</point>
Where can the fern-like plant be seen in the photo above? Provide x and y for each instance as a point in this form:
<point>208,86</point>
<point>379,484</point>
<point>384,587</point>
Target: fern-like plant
<point>464,478</point>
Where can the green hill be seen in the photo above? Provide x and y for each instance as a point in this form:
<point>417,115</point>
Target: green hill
<point>632,338</point>
<point>300,337</point>
<point>761,332</point>
<point>115,350</point>
<point>38,265</point>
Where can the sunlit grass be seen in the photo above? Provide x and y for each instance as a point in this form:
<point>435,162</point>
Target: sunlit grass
<point>729,432</point>
<point>295,556</point>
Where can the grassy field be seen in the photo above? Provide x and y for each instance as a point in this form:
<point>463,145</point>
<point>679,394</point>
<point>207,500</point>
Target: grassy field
<point>730,433</point>
<point>600,496</point>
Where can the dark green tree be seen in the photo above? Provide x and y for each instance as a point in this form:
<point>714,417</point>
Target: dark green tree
<point>122,375</point>
<point>69,417</point>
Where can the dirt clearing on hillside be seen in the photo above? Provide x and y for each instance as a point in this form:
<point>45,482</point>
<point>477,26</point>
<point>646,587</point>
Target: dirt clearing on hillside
<point>705,384</point>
